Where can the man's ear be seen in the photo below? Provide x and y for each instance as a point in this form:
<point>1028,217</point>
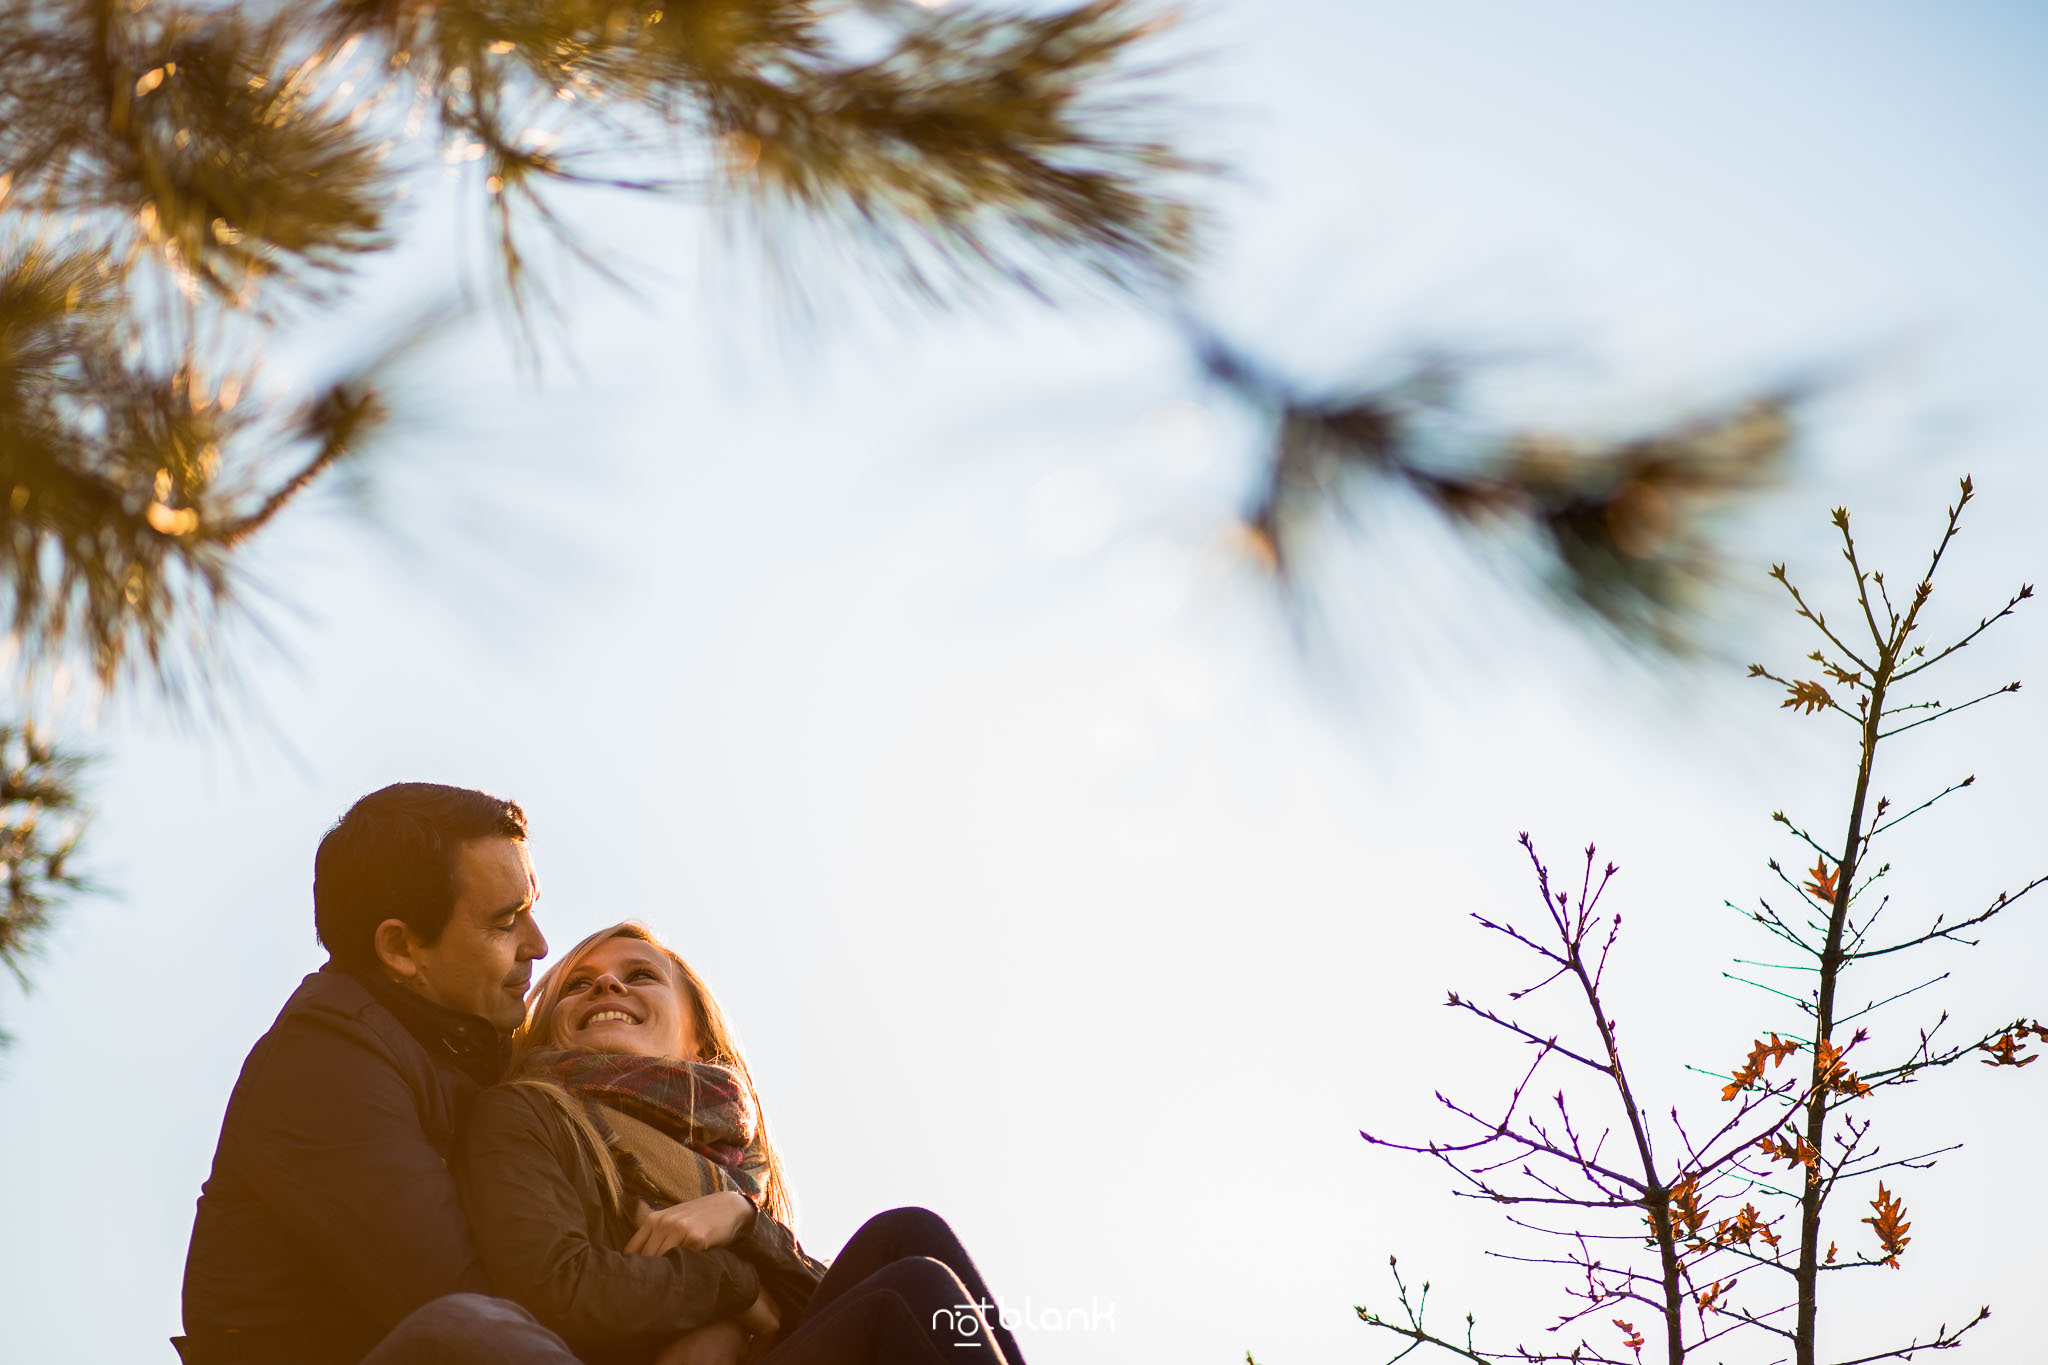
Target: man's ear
<point>394,943</point>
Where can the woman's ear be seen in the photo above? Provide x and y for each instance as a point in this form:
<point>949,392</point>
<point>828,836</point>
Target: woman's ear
<point>394,944</point>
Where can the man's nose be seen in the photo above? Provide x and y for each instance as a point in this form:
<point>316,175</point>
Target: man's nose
<point>536,945</point>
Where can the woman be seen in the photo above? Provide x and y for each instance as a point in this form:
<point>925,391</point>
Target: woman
<point>623,1188</point>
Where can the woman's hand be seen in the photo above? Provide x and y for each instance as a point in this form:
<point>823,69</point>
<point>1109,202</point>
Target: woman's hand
<point>714,1220</point>
<point>721,1343</point>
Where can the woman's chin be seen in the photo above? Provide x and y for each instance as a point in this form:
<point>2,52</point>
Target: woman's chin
<point>609,1039</point>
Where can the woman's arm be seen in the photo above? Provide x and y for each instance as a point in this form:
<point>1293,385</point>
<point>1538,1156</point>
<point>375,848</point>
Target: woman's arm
<point>725,1219</point>
<point>712,1220</point>
<point>540,1227</point>
<point>729,1219</point>
<point>768,1243</point>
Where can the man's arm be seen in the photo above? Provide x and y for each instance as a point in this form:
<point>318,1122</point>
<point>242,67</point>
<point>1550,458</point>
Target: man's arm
<point>334,1146</point>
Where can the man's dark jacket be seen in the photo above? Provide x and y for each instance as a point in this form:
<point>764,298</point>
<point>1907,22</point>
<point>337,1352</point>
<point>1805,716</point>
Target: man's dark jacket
<point>331,1213</point>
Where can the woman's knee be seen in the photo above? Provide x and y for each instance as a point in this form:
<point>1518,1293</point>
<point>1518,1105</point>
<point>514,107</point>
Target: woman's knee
<point>463,1328</point>
<point>453,1318</point>
<point>920,1280</point>
<point>911,1223</point>
<point>933,1295</point>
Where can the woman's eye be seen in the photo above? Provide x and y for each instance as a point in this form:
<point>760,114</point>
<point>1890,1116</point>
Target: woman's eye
<point>642,975</point>
<point>575,986</point>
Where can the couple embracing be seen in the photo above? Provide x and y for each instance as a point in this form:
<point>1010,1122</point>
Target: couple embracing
<point>432,1157</point>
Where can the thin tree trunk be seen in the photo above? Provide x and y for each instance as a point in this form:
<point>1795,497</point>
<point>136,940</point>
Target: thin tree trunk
<point>1808,1278</point>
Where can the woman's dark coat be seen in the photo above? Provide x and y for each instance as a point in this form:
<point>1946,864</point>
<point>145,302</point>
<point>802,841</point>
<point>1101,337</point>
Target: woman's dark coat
<point>549,1242</point>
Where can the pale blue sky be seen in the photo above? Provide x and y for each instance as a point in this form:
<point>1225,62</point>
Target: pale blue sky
<point>907,685</point>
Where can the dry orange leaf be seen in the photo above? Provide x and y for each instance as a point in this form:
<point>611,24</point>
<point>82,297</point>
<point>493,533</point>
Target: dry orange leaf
<point>1750,1072</point>
<point>1890,1224</point>
<point>1834,1075</point>
<point>2006,1051</point>
<point>1808,697</point>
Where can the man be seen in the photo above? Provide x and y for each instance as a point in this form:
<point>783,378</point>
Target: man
<point>329,1232</point>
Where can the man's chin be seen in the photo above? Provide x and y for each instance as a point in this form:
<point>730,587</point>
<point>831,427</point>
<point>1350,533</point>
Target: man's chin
<point>508,1016</point>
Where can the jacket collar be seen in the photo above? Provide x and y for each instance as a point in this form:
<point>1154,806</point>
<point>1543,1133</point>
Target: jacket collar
<point>464,1040</point>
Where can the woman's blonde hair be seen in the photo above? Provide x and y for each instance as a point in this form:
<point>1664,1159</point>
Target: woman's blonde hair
<point>715,1043</point>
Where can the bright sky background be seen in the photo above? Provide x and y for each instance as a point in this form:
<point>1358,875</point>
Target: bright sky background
<point>907,683</point>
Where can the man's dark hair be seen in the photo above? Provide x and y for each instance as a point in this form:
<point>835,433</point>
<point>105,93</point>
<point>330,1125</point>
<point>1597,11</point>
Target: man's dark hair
<point>393,857</point>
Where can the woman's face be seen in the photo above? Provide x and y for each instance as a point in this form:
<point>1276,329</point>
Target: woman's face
<point>622,996</point>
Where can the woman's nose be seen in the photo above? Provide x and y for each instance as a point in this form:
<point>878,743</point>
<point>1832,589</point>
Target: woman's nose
<point>608,982</point>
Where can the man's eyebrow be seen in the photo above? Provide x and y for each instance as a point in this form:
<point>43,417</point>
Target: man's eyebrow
<point>513,910</point>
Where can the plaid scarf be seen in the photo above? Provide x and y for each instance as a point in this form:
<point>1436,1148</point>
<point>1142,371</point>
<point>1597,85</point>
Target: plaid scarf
<point>702,1105</point>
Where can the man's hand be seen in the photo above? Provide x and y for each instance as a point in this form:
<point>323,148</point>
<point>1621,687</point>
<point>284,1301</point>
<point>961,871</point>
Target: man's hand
<point>714,1220</point>
<point>732,1342</point>
<point>721,1343</point>
<point>762,1317</point>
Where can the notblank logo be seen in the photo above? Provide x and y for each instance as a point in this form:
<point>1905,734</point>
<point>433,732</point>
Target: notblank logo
<point>965,1324</point>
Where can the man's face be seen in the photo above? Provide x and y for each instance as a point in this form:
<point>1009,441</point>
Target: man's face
<point>484,958</point>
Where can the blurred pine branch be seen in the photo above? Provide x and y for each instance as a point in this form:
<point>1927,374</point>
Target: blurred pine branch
<point>1625,528</point>
<point>176,178</point>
